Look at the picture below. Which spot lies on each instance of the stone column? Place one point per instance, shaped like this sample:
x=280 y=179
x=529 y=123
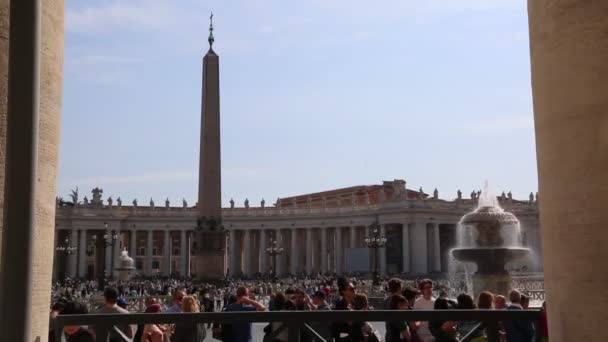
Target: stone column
x=167 y=253
x=263 y=254
x=323 y=250
x=279 y=258
x=436 y=248
x=405 y=247
x=232 y=252
x=246 y=257
x=382 y=251
x=294 y=252
x=353 y=237
x=82 y=254
x=133 y=244
x=419 y=248
x=569 y=52
x=72 y=258
x=149 y=247
x=108 y=254
x=116 y=249
x=338 y=251
x=183 y=253
x=309 y=251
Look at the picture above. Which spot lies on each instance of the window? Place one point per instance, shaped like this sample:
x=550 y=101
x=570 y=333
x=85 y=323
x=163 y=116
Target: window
x=142 y=251
x=155 y=265
x=139 y=265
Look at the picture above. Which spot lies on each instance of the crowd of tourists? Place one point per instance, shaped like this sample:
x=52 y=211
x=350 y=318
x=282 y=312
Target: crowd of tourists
x=307 y=294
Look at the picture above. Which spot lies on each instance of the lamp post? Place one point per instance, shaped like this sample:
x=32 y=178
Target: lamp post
x=66 y=248
x=108 y=239
x=375 y=240
x=273 y=251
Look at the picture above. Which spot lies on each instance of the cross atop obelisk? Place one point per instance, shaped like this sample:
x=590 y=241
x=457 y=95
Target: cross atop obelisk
x=211 y=243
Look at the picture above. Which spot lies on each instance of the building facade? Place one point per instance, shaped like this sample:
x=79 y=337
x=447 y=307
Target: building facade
x=318 y=233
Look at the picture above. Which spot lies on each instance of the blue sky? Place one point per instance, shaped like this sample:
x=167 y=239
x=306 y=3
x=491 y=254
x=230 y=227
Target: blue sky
x=315 y=95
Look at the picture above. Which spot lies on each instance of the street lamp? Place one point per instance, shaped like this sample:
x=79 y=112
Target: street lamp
x=375 y=240
x=66 y=248
x=108 y=239
x=273 y=251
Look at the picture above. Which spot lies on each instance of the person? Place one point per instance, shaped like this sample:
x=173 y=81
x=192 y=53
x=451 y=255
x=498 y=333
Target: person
x=426 y=303
x=280 y=303
x=362 y=331
x=346 y=290
x=465 y=302
x=178 y=296
x=500 y=302
x=189 y=332
x=485 y=301
x=517 y=330
x=76 y=333
x=410 y=294
x=319 y=304
x=55 y=310
x=444 y=331
x=241 y=332
x=110 y=306
x=301 y=299
x=544 y=337
x=393 y=287
x=153 y=332
x=525 y=301
x=122 y=303
x=397 y=330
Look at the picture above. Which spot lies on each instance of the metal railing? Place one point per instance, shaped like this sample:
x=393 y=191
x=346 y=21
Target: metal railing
x=296 y=322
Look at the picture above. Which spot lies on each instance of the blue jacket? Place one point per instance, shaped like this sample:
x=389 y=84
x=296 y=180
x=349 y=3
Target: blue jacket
x=518 y=330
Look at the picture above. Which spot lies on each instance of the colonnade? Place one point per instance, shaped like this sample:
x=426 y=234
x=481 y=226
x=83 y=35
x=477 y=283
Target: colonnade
x=313 y=250
x=144 y=246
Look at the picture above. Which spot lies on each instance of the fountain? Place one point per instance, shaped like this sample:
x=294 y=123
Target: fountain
x=489 y=237
x=126 y=266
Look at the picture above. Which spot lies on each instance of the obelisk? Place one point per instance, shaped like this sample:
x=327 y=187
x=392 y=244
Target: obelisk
x=210 y=250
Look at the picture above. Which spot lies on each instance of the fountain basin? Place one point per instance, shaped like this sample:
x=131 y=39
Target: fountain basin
x=490 y=259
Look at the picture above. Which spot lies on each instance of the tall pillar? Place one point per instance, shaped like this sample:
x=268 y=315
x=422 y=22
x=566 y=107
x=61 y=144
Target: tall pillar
x=82 y=254
x=246 y=253
x=353 y=236
x=436 y=248
x=279 y=258
x=309 y=251
x=232 y=250
x=419 y=248
x=167 y=253
x=72 y=258
x=116 y=249
x=263 y=255
x=338 y=251
x=108 y=254
x=405 y=247
x=149 y=247
x=569 y=52
x=323 y=250
x=294 y=252
x=133 y=244
x=211 y=253
x=183 y=254
x=382 y=252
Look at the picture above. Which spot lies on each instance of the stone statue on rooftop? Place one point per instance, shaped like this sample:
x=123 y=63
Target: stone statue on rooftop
x=473 y=195
x=184 y=203
x=110 y=201
x=531 y=197
x=246 y=203
x=85 y=200
x=231 y=203
x=435 y=194
x=97 y=196
x=459 y=194
x=119 y=202
x=503 y=196
x=263 y=203
x=509 y=195
x=151 y=203
x=135 y=202
x=167 y=203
